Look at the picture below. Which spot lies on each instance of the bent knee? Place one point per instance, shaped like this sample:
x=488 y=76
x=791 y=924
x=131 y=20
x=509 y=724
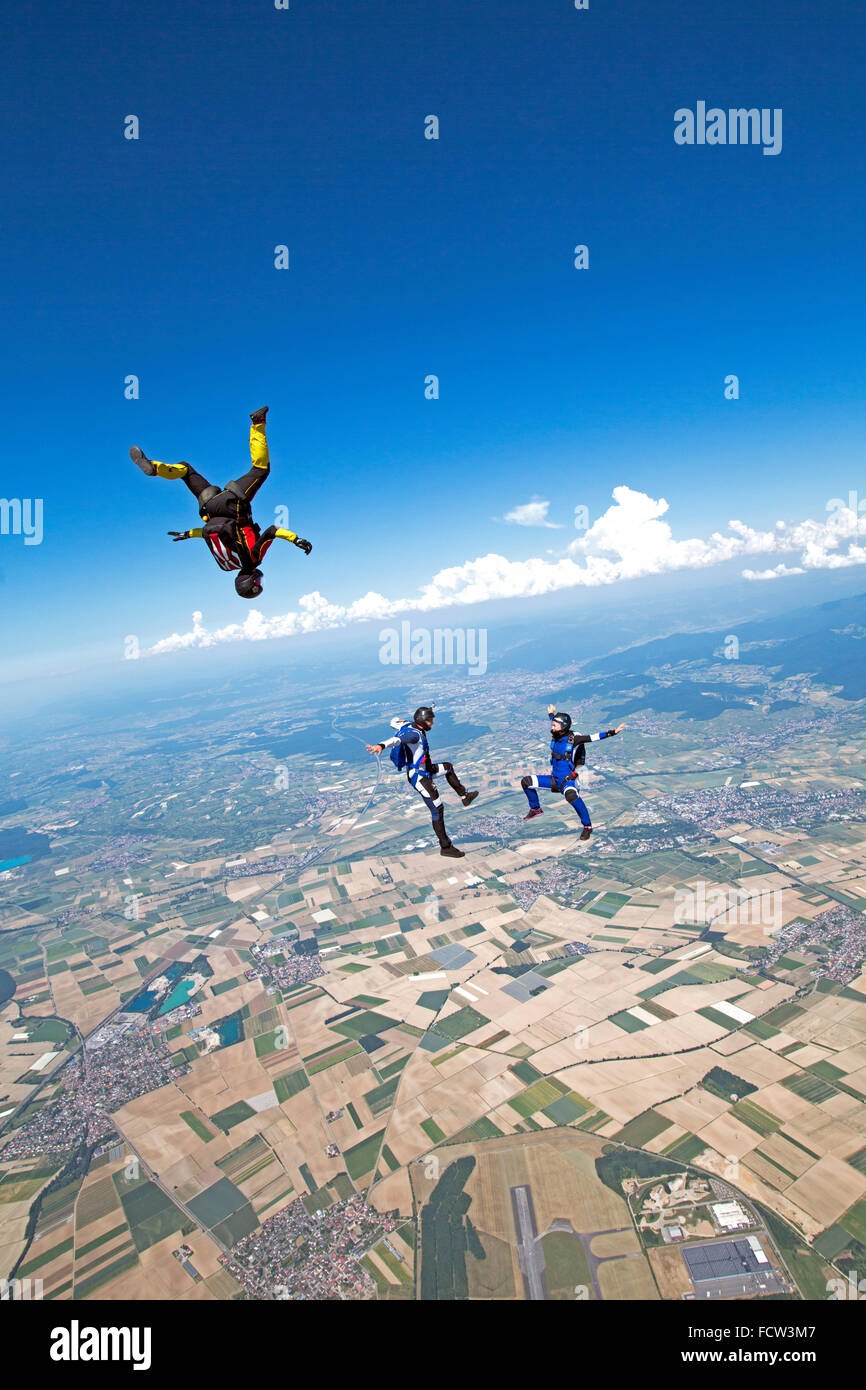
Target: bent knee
x=526 y=782
x=570 y=794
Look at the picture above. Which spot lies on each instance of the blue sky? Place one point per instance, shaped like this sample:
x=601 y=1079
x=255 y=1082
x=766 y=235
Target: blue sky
x=409 y=257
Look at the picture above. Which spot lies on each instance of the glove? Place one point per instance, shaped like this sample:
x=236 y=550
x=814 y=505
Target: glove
x=179 y=535
x=302 y=545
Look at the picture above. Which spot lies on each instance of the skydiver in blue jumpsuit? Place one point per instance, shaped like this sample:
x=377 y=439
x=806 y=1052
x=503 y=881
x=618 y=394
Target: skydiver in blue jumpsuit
x=420 y=771
x=567 y=753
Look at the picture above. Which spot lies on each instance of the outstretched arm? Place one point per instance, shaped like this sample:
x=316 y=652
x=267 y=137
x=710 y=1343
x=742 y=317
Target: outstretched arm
x=410 y=736
x=593 y=738
x=279 y=533
x=186 y=535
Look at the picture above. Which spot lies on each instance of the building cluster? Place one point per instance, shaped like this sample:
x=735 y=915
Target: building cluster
x=120 y=852
x=299 y=1255
x=111 y=1071
x=730 y=1216
x=840 y=932
x=652 y=832
x=273 y=864
x=69 y=916
x=557 y=879
x=183 y=1255
x=282 y=966
x=775 y=808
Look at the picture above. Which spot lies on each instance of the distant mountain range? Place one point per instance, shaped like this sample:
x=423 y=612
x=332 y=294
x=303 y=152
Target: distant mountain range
x=827 y=642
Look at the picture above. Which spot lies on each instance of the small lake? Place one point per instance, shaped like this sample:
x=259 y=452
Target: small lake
x=7 y=986
x=179 y=995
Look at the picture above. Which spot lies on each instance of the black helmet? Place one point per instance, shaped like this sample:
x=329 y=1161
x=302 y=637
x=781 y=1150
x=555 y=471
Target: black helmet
x=249 y=585
x=564 y=720
x=424 y=715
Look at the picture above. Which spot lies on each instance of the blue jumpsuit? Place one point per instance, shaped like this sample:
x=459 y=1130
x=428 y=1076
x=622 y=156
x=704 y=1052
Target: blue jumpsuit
x=420 y=772
x=565 y=752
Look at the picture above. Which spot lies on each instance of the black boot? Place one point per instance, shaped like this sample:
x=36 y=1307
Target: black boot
x=469 y=798
x=446 y=848
x=258 y=416
x=454 y=782
x=586 y=832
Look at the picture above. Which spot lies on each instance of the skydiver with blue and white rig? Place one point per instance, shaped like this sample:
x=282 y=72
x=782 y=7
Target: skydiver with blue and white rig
x=567 y=754
x=410 y=750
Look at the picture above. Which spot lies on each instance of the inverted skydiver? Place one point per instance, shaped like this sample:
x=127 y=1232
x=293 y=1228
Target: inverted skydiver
x=567 y=754
x=412 y=752
x=231 y=535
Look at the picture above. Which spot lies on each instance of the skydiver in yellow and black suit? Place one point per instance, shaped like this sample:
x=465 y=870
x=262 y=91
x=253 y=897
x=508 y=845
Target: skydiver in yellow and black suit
x=228 y=529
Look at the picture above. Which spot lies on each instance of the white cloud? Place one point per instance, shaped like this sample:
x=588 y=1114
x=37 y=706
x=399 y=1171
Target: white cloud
x=781 y=571
x=532 y=513
x=628 y=541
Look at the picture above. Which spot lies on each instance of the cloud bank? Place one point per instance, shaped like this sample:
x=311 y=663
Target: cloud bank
x=628 y=541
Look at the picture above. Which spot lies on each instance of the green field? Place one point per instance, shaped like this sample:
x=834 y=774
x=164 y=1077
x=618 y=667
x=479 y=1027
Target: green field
x=266 y=1043
x=525 y=1072
x=686 y=1149
x=854 y=1221
x=783 y=1014
x=758 y=1119
x=760 y=1028
x=457 y=1025
x=151 y=1214
x=567 y=1109
x=82 y=1250
x=642 y=1129
x=108 y=1272
x=432 y=1130
x=537 y=1096
x=361 y=1157
x=566 y=1267
x=381 y=1097
x=290 y=1084
x=858 y=1160
x=627 y=1022
x=196 y=1125
x=809 y=1087
x=232 y=1115
x=364 y=1024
